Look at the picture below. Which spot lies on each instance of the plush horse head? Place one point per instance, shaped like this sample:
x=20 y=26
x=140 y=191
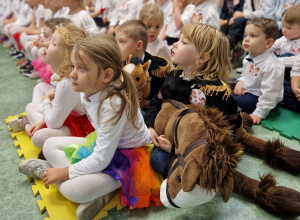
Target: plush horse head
x=138 y=71
x=205 y=152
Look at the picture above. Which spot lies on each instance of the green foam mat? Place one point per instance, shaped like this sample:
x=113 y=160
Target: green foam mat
x=284 y=121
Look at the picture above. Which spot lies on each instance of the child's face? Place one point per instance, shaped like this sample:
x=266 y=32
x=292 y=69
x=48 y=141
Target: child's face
x=127 y=45
x=255 y=41
x=197 y=2
x=47 y=33
x=184 y=54
x=54 y=51
x=290 y=31
x=153 y=28
x=84 y=75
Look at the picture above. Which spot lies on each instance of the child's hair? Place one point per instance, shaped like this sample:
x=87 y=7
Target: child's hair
x=268 y=26
x=52 y=23
x=152 y=12
x=71 y=35
x=105 y=52
x=209 y=40
x=292 y=15
x=136 y=30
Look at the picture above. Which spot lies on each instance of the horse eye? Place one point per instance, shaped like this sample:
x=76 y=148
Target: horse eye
x=179 y=179
x=137 y=78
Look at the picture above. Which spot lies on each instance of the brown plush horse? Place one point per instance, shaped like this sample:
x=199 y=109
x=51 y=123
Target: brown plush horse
x=206 y=155
x=138 y=71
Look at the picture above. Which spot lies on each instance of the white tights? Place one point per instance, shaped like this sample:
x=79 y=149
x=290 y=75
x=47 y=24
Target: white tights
x=34 y=113
x=80 y=189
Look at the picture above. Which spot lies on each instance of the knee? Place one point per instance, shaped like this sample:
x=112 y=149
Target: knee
x=159 y=161
x=38 y=140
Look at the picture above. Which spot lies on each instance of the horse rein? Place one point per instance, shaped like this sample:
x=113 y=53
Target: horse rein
x=180 y=158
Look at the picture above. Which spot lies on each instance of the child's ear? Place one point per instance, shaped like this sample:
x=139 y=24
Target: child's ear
x=204 y=58
x=269 y=43
x=139 y=45
x=108 y=75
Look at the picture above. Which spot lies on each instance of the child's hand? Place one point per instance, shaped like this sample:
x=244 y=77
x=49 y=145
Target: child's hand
x=34 y=128
x=238 y=89
x=238 y=14
x=164 y=143
x=154 y=136
x=231 y=21
x=256 y=119
x=55 y=175
x=195 y=19
x=50 y=94
x=297 y=94
x=111 y=30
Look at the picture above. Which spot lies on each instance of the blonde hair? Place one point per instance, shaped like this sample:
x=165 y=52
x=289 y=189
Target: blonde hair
x=52 y=23
x=136 y=30
x=71 y=35
x=292 y=15
x=209 y=40
x=105 y=52
x=152 y=12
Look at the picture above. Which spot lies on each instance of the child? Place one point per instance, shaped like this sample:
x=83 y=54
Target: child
x=110 y=100
x=205 y=11
x=152 y=16
x=178 y=14
x=79 y=16
x=201 y=77
x=291 y=97
x=61 y=110
x=132 y=38
x=274 y=9
x=288 y=47
x=125 y=10
x=260 y=87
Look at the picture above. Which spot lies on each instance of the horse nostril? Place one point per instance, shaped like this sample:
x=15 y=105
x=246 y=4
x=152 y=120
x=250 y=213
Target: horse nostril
x=179 y=178
x=137 y=78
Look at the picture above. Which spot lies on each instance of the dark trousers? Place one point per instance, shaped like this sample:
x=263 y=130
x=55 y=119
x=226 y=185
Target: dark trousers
x=159 y=161
x=236 y=31
x=171 y=40
x=247 y=102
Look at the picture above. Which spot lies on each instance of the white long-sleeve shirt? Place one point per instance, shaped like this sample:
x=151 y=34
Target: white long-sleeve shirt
x=296 y=67
x=125 y=10
x=259 y=9
x=172 y=30
x=83 y=20
x=122 y=135
x=264 y=78
x=65 y=101
x=210 y=14
x=284 y=45
x=159 y=48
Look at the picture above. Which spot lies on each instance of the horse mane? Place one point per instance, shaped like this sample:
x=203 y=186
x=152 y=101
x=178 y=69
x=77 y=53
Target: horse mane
x=222 y=154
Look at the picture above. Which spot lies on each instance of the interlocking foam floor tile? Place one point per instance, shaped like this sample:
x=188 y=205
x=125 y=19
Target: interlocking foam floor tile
x=57 y=206
x=283 y=121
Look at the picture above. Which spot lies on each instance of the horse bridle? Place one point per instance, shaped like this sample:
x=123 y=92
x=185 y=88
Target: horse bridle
x=180 y=158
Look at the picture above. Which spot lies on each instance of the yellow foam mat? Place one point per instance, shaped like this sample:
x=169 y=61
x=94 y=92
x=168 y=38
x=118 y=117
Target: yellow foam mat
x=57 y=206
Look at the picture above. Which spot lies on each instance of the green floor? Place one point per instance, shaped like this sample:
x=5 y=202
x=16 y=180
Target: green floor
x=18 y=202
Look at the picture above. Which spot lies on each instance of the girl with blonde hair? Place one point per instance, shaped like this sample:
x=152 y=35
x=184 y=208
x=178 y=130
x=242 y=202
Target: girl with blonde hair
x=201 y=77
x=90 y=170
x=61 y=112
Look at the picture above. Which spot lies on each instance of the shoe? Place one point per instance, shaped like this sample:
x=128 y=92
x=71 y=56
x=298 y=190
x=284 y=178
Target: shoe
x=34 y=168
x=237 y=53
x=21 y=62
x=26 y=66
x=19 y=56
x=32 y=74
x=239 y=70
x=17 y=125
x=13 y=53
x=89 y=210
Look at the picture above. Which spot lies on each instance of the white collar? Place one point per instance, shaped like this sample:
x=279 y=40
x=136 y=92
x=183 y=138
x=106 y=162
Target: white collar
x=260 y=58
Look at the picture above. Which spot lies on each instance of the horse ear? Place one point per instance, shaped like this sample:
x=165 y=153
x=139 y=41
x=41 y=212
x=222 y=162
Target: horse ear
x=190 y=175
x=227 y=188
x=129 y=59
x=147 y=65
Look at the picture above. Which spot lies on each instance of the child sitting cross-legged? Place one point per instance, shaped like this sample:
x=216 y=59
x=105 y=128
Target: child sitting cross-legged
x=260 y=87
x=132 y=38
x=110 y=100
